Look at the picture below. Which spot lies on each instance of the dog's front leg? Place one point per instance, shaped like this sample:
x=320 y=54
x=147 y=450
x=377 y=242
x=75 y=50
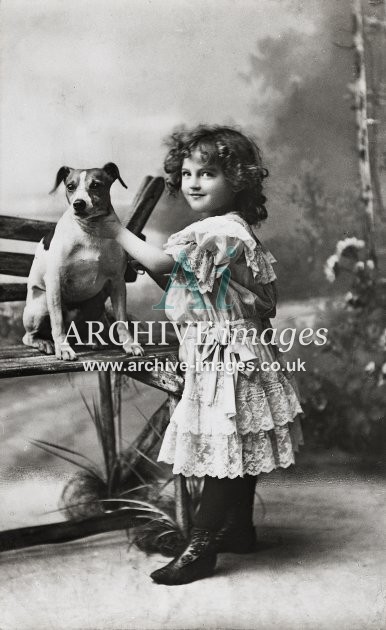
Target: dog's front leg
x=63 y=349
x=118 y=301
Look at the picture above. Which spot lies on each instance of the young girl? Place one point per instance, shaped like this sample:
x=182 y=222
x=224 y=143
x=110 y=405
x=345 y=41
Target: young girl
x=228 y=427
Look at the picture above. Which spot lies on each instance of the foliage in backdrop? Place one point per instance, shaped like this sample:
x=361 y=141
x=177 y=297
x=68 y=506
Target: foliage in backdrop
x=344 y=388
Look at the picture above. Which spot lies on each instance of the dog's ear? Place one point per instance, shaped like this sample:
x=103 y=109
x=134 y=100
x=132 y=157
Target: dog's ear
x=112 y=171
x=60 y=177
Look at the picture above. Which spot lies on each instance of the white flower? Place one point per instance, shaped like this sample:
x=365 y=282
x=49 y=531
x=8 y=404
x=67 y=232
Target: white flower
x=348 y=297
x=382 y=340
x=333 y=260
x=384 y=369
x=370 y=264
x=348 y=242
x=370 y=367
x=359 y=266
x=329 y=270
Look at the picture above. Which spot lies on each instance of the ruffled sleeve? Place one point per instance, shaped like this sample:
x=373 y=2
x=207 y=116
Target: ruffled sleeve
x=205 y=248
x=208 y=246
x=261 y=264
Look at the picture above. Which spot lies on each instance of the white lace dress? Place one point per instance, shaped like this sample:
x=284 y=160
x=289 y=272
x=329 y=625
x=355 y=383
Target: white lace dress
x=227 y=424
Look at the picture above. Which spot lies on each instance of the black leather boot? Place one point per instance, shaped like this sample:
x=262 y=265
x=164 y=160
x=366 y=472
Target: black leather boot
x=233 y=539
x=238 y=534
x=196 y=562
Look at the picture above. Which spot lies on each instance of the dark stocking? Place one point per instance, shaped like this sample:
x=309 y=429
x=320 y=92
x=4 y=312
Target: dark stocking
x=222 y=498
x=242 y=504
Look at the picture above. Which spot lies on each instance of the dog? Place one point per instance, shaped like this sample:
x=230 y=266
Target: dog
x=74 y=271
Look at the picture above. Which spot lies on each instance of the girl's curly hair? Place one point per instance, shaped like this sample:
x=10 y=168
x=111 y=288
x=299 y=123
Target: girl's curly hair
x=237 y=155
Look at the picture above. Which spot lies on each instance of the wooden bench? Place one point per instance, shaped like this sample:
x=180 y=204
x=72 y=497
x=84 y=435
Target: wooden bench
x=19 y=360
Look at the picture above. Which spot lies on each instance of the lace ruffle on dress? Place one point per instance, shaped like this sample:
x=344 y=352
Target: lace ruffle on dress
x=229 y=422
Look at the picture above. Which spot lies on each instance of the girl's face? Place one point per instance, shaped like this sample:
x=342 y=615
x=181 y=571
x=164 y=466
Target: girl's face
x=205 y=188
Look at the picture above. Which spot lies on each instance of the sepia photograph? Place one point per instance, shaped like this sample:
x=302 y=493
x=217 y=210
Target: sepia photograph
x=193 y=315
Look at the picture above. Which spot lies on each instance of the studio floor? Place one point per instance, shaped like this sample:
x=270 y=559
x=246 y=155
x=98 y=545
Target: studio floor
x=321 y=566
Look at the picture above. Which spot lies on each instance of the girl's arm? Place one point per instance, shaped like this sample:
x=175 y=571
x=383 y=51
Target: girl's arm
x=152 y=258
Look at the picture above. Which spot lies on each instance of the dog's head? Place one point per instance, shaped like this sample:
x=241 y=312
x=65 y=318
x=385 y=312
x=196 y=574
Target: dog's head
x=88 y=191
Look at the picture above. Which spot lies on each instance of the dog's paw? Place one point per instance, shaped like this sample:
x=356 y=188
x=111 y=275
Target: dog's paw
x=64 y=352
x=46 y=346
x=133 y=348
x=43 y=345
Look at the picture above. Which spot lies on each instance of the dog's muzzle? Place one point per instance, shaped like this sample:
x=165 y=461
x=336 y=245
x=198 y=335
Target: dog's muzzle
x=79 y=205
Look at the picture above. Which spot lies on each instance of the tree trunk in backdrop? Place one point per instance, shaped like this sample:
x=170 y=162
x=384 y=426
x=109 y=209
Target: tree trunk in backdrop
x=375 y=44
x=360 y=95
